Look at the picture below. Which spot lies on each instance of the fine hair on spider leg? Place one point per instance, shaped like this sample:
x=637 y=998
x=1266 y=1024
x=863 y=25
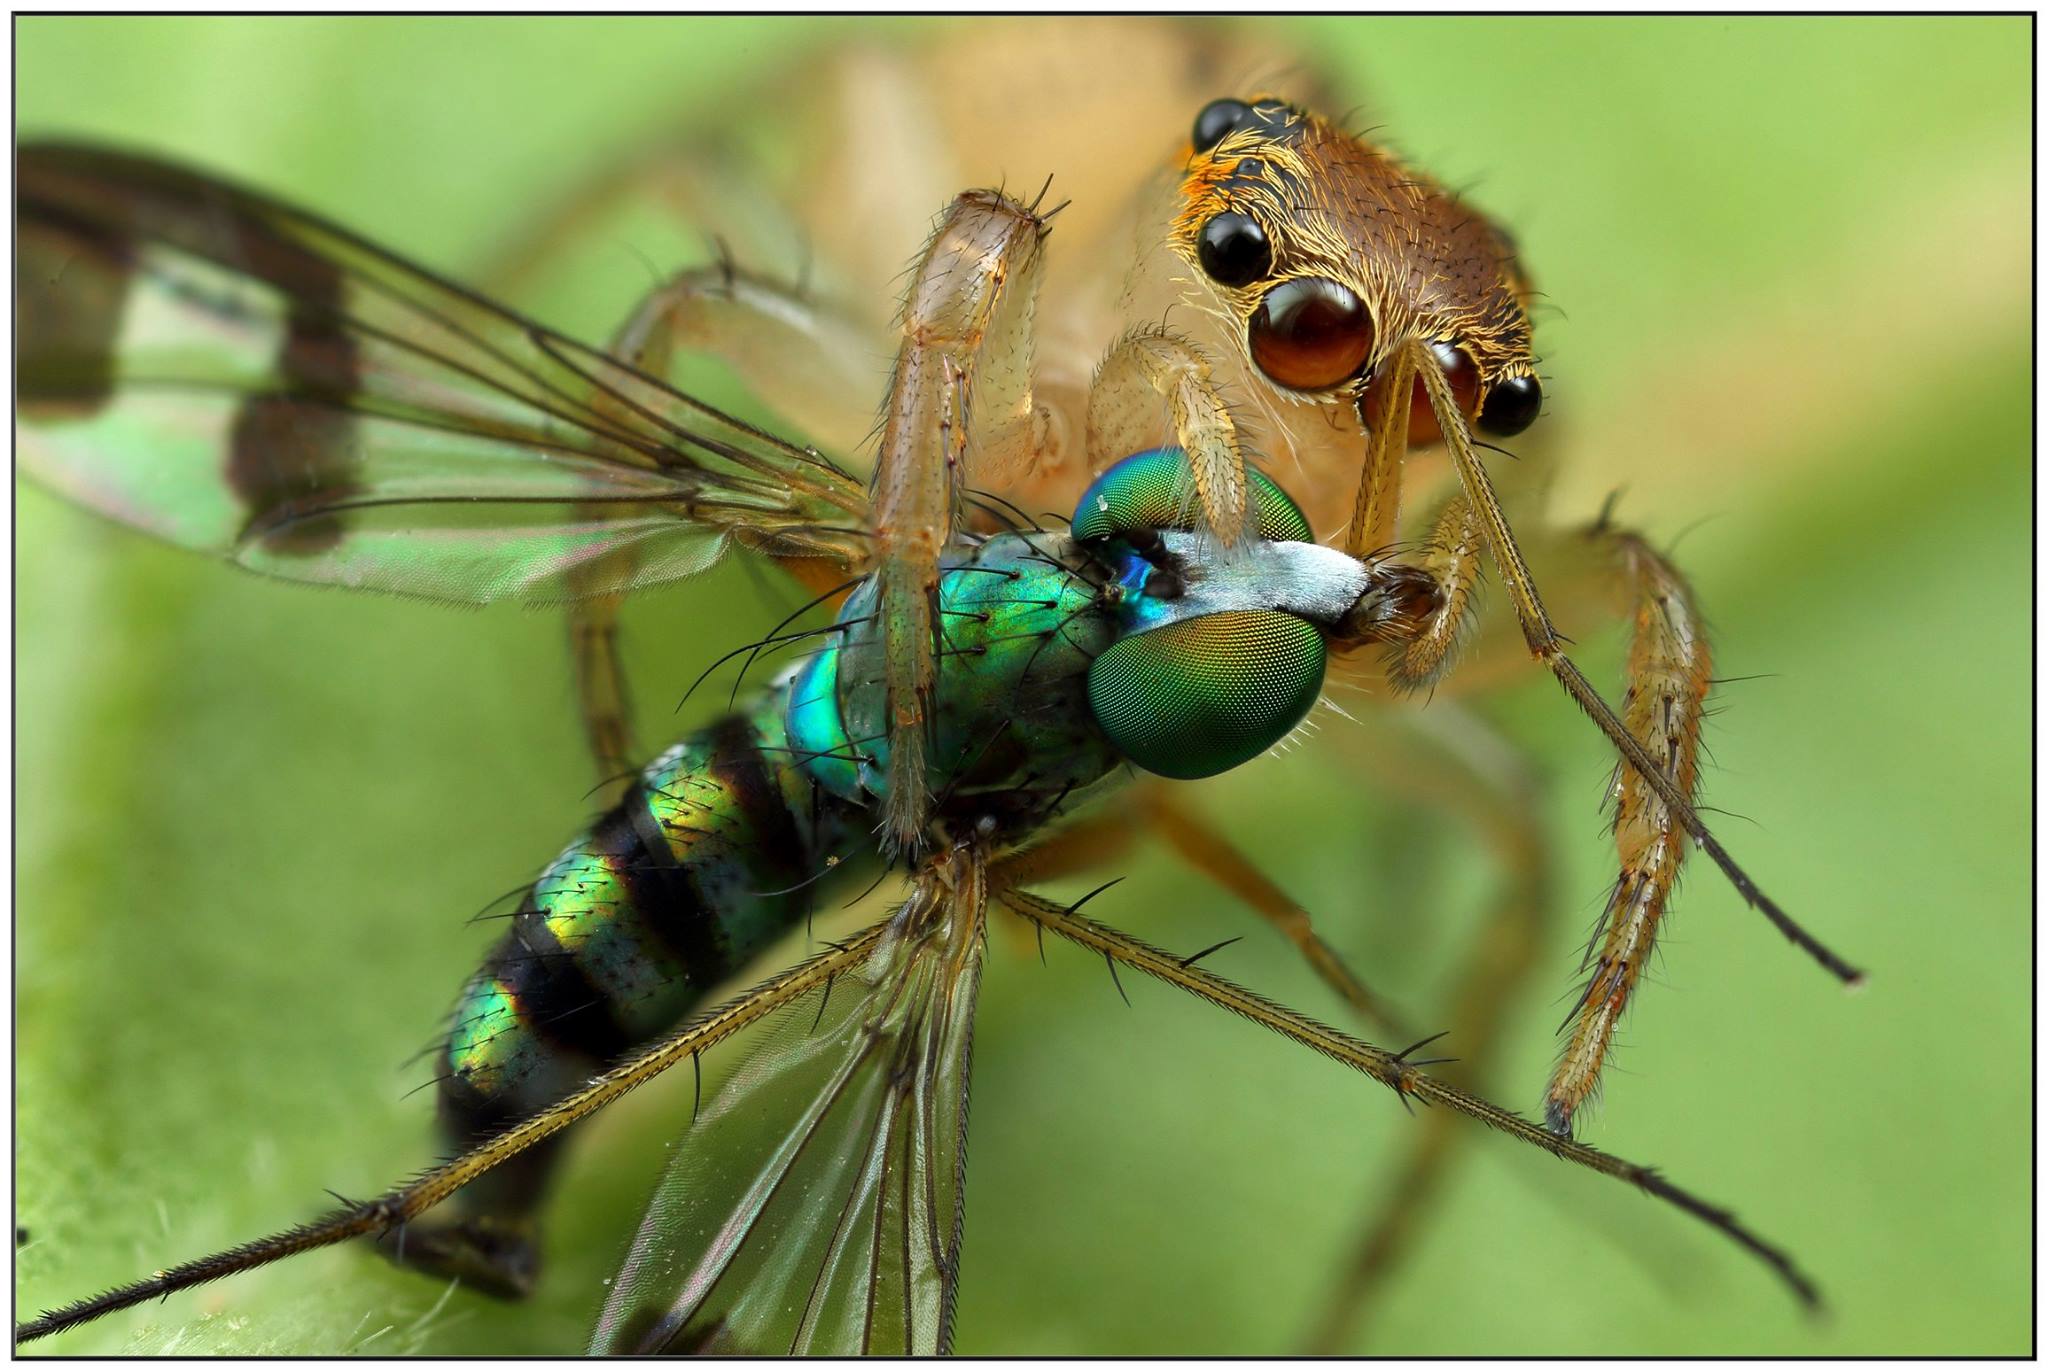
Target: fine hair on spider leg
x=1545 y=642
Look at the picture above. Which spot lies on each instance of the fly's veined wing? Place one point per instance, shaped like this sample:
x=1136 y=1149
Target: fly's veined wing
x=238 y=376
x=833 y=1227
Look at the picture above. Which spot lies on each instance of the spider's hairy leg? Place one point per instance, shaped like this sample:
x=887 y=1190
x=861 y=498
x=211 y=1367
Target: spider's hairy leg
x=1377 y=512
x=1450 y=760
x=389 y=1215
x=715 y=191
x=1452 y=555
x=1668 y=677
x=1150 y=366
x=601 y=690
x=815 y=365
x=1670 y=670
x=961 y=390
x=805 y=361
x=1548 y=647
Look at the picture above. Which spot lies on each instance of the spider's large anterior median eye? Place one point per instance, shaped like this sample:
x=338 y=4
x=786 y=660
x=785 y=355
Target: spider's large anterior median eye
x=1200 y=696
x=1155 y=489
x=1233 y=250
x=1311 y=334
x=1511 y=406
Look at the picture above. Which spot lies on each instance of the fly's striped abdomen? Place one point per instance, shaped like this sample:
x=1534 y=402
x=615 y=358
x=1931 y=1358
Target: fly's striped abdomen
x=717 y=848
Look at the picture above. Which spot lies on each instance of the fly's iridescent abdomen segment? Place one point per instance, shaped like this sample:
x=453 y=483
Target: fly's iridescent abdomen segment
x=715 y=850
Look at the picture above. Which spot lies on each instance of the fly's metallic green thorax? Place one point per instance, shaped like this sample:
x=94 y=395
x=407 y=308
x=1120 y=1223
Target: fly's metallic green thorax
x=1020 y=618
x=1137 y=638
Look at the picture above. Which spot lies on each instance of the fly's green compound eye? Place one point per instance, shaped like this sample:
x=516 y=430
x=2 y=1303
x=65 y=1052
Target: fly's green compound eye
x=1155 y=489
x=1200 y=696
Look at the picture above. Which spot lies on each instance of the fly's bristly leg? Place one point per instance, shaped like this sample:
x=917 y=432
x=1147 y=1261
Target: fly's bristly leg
x=1102 y=837
x=1670 y=670
x=1208 y=850
x=961 y=392
x=1447 y=759
x=400 y=1206
x=1391 y=1069
x=1150 y=366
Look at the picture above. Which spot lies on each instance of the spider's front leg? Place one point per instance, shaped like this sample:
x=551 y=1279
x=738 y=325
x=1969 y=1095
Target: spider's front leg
x=960 y=397
x=1656 y=734
x=1670 y=670
x=1146 y=368
x=1664 y=707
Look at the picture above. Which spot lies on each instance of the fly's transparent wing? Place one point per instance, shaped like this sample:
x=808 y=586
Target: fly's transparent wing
x=241 y=377
x=835 y=1227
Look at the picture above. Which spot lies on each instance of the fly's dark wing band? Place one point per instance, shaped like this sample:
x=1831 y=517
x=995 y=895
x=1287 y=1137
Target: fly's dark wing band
x=240 y=377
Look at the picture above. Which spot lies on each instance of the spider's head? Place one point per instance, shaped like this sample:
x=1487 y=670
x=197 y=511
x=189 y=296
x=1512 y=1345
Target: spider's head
x=1334 y=258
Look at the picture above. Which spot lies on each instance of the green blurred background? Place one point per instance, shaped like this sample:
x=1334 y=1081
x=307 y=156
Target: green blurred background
x=1791 y=258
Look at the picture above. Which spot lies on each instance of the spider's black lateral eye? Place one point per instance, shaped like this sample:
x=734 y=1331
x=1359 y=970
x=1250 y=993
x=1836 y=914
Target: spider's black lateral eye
x=1233 y=249
x=1218 y=120
x=1511 y=406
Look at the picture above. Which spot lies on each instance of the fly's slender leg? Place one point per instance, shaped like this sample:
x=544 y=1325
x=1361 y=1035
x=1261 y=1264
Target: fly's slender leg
x=1209 y=851
x=1390 y=1069
x=389 y=1214
x=1450 y=760
x=1142 y=369
x=961 y=389
x=1153 y=808
x=1669 y=673
x=601 y=688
